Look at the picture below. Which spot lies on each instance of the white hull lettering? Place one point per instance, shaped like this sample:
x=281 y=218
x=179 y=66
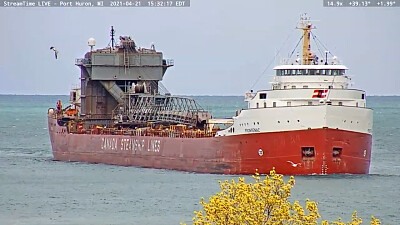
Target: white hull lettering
x=109 y=144
x=130 y=144
x=133 y=144
x=154 y=146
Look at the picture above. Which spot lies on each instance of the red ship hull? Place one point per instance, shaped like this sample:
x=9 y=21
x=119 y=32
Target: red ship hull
x=236 y=154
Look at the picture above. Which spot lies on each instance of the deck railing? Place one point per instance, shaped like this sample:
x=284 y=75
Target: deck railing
x=147 y=132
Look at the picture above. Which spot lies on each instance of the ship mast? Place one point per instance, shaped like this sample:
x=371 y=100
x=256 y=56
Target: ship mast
x=112 y=34
x=306 y=26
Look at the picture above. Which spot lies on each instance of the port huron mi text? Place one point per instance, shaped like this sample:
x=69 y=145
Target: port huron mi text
x=47 y=4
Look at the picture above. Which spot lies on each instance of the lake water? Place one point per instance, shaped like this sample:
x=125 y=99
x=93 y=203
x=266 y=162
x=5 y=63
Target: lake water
x=36 y=190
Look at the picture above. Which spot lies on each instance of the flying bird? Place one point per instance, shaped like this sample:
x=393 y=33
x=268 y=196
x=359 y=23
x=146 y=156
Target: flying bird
x=55 y=51
x=294 y=164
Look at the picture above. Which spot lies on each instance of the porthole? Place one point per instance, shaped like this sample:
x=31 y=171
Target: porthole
x=337 y=152
x=307 y=152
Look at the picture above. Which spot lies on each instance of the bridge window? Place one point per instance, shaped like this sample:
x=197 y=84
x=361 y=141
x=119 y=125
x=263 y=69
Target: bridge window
x=335 y=72
x=327 y=72
x=312 y=72
x=302 y=72
x=342 y=72
x=263 y=95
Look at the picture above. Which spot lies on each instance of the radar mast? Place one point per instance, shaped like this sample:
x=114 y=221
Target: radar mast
x=306 y=26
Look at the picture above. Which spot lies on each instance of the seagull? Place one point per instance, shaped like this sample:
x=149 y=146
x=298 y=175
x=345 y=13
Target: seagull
x=55 y=51
x=294 y=164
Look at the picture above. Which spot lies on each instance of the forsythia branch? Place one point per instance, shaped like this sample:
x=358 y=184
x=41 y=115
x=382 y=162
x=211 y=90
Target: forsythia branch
x=264 y=202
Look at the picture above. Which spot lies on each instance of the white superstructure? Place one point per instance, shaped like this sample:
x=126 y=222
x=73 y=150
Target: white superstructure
x=306 y=93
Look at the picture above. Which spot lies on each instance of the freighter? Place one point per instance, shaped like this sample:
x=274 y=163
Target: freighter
x=309 y=122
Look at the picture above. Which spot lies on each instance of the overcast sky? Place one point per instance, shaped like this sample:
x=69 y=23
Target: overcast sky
x=220 y=47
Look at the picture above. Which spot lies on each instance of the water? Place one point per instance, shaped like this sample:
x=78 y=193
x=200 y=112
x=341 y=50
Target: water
x=36 y=190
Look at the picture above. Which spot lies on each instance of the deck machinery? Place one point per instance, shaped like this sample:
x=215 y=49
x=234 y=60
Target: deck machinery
x=120 y=86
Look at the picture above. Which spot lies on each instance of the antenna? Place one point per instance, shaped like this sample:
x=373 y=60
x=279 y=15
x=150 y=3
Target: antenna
x=112 y=34
x=326 y=57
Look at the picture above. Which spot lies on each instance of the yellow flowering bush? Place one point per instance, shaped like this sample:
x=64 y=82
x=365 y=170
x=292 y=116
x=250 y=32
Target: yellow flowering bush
x=263 y=202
